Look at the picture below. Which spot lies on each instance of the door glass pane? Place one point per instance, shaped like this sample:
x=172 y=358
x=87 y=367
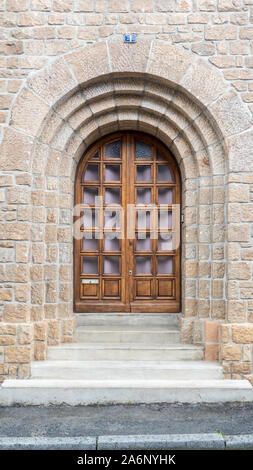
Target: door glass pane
x=111 y=244
x=143 y=150
x=91 y=173
x=112 y=219
x=160 y=156
x=96 y=156
x=165 y=242
x=112 y=173
x=165 y=195
x=89 y=195
x=143 y=219
x=89 y=218
x=165 y=265
x=143 y=244
x=164 y=173
x=143 y=265
x=143 y=173
x=111 y=265
x=90 y=242
x=90 y=265
x=143 y=196
x=112 y=196
x=112 y=150
x=164 y=219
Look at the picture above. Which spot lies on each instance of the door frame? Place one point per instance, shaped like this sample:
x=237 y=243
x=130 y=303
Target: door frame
x=87 y=307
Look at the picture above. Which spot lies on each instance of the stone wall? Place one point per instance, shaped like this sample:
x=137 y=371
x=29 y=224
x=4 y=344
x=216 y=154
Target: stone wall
x=189 y=81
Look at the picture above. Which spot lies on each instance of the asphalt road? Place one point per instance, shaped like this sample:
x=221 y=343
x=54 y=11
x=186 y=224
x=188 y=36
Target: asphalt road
x=67 y=421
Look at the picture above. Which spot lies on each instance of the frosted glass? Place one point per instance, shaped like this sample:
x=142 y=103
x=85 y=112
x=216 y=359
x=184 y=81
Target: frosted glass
x=89 y=195
x=112 y=219
x=143 y=173
x=143 y=244
x=111 y=244
x=89 y=218
x=165 y=244
x=90 y=243
x=112 y=173
x=90 y=265
x=164 y=173
x=143 y=219
x=111 y=265
x=165 y=196
x=143 y=265
x=165 y=265
x=91 y=173
x=112 y=196
x=143 y=150
x=144 y=196
x=112 y=150
x=164 y=219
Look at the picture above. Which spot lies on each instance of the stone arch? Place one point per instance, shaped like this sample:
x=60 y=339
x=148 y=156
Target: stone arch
x=152 y=87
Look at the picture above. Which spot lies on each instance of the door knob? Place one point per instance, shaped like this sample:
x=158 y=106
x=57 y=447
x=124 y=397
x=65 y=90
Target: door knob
x=130 y=272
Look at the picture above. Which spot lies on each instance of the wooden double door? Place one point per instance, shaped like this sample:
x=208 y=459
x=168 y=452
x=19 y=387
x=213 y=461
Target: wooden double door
x=127 y=227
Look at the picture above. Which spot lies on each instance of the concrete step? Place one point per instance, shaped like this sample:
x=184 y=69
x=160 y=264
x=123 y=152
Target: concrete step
x=129 y=334
x=134 y=319
x=84 y=392
x=124 y=352
x=122 y=370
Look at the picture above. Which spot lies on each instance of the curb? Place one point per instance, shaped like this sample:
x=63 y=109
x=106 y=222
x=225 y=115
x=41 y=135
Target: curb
x=212 y=441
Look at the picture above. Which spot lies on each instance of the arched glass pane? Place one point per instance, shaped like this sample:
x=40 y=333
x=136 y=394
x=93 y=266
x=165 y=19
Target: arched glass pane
x=112 y=150
x=143 y=151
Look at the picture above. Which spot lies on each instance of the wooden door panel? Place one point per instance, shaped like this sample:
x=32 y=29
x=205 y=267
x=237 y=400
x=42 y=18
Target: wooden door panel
x=112 y=271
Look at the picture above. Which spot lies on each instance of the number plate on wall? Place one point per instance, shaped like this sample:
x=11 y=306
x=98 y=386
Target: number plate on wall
x=90 y=281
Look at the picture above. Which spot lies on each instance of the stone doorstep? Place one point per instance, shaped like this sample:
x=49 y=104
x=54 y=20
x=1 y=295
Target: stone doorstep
x=84 y=392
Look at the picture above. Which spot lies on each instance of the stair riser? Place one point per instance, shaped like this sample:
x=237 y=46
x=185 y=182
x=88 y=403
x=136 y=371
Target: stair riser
x=127 y=337
x=126 y=374
x=124 y=355
x=127 y=319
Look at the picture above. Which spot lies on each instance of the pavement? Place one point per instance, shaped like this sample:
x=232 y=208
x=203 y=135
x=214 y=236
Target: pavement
x=155 y=426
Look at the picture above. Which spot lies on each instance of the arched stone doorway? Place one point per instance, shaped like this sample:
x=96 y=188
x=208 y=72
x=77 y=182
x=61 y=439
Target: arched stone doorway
x=127 y=245
x=154 y=88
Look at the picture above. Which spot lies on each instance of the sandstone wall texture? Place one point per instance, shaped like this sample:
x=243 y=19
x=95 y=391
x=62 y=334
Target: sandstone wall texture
x=66 y=79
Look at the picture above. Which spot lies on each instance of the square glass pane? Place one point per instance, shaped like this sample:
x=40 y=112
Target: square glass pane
x=143 y=244
x=89 y=195
x=165 y=265
x=143 y=151
x=143 y=265
x=143 y=219
x=90 y=265
x=112 y=150
x=143 y=196
x=164 y=219
x=165 y=195
x=164 y=173
x=112 y=219
x=89 y=218
x=143 y=173
x=90 y=243
x=91 y=173
x=111 y=243
x=112 y=173
x=112 y=195
x=165 y=242
x=111 y=265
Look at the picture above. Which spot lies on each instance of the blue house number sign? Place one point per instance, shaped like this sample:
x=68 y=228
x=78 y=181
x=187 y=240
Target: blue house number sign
x=130 y=38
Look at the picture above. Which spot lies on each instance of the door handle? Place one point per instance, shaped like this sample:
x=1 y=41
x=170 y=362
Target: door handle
x=130 y=272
